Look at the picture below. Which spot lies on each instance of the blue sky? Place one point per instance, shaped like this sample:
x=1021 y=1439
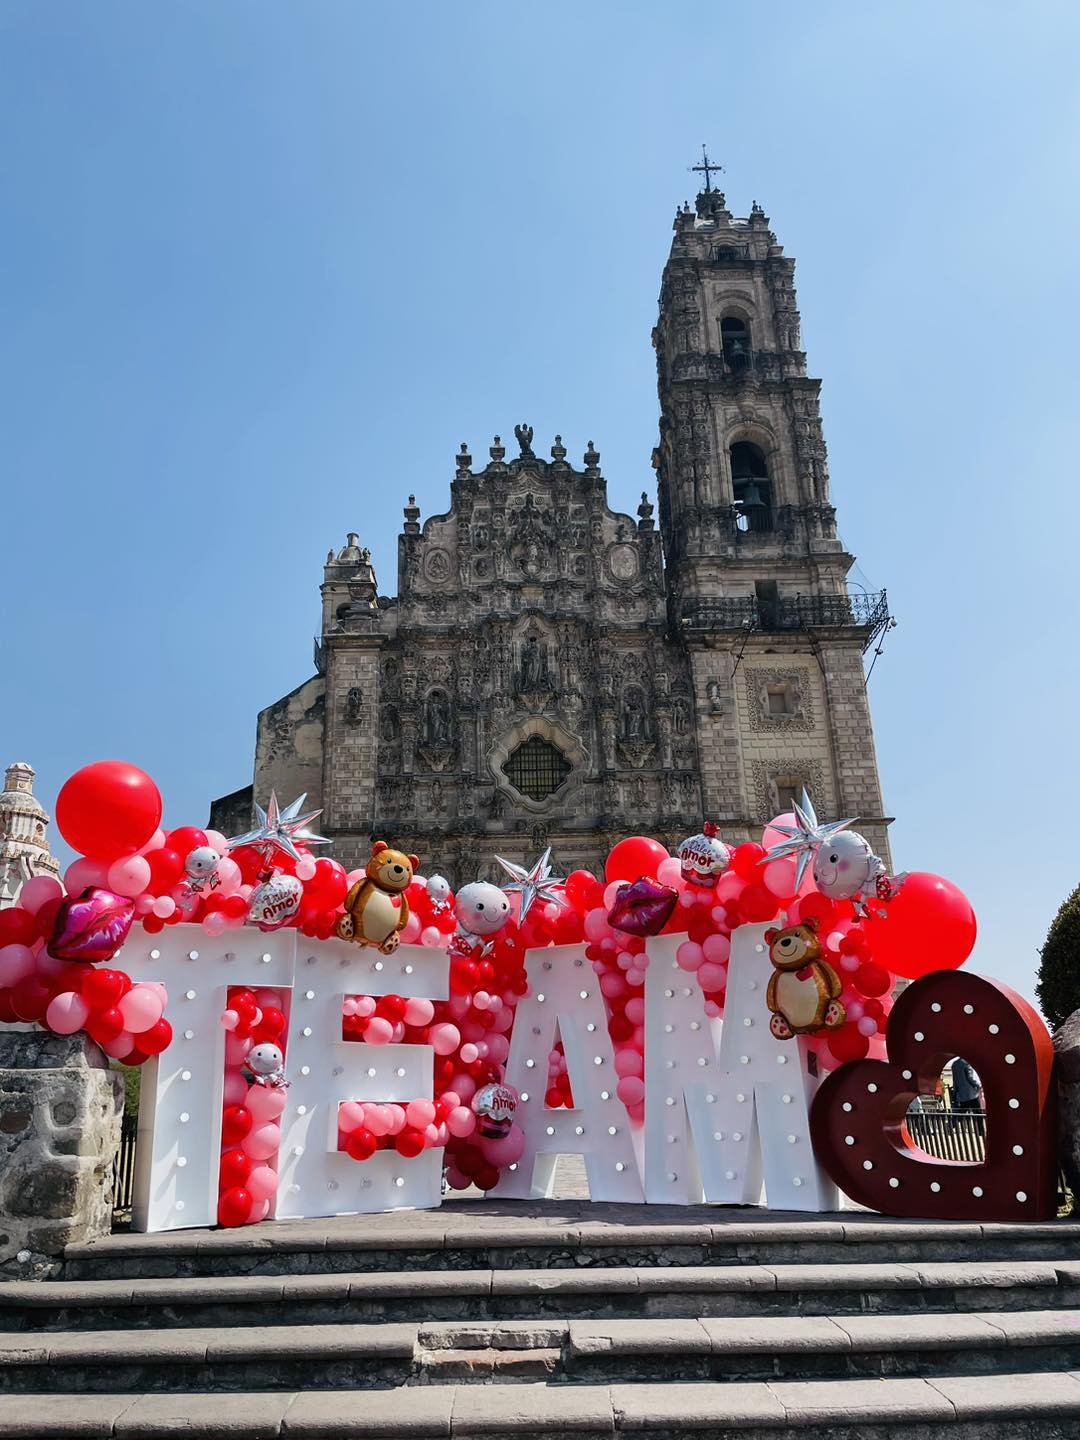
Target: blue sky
x=266 y=265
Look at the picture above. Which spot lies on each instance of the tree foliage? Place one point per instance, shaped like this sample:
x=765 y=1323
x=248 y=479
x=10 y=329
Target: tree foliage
x=1059 y=970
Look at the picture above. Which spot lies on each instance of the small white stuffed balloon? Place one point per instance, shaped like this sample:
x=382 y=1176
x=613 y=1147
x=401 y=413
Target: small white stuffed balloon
x=481 y=909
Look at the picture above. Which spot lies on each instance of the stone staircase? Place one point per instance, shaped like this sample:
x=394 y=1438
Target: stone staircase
x=496 y=1320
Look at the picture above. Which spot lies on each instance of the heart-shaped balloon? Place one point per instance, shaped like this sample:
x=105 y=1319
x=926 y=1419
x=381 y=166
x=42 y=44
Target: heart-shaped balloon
x=642 y=908
x=858 y=1118
x=91 y=928
x=275 y=901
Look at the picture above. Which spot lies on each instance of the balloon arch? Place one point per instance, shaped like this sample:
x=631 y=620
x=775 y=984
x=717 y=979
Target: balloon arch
x=355 y=1039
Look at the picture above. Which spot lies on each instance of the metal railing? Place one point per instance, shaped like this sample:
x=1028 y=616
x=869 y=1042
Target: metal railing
x=793 y=612
x=950 y=1134
x=124 y=1166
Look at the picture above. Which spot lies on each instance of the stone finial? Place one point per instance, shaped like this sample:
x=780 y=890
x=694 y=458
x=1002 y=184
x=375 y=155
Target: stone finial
x=592 y=457
x=463 y=459
x=498 y=450
x=349 y=554
x=558 y=450
x=19 y=778
x=645 y=512
x=412 y=517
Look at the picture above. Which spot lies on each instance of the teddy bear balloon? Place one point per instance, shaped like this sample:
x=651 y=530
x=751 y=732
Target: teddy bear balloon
x=376 y=910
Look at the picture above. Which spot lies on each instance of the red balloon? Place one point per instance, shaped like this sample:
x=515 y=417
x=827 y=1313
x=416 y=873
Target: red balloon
x=234 y=1206
x=157 y=1038
x=166 y=870
x=30 y=998
x=105 y=1025
x=18 y=927
x=871 y=979
x=929 y=926
x=634 y=857
x=487 y=1176
x=185 y=839
x=361 y=1144
x=579 y=885
x=46 y=918
x=745 y=858
x=328 y=885
x=757 y=903
x=273 y=1020
x=108 y=809
x=236 y=1121
x=102 y=989
x=847 y=1044
x=235 y=1168
x=409 y=1143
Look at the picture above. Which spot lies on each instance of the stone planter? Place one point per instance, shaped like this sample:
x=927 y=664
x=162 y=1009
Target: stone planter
x=60 y=1112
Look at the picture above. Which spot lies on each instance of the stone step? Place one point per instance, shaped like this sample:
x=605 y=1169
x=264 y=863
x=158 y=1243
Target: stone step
x=493 y=1237
x=1022 y=1406
x=587 y=1293
x=728 y=1349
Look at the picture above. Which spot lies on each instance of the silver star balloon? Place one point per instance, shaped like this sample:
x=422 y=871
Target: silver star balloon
x=805 y=837
x=535 y=883
x=278 y=829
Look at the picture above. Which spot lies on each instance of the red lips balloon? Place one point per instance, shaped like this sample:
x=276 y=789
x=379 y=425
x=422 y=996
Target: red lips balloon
x=642 y=908
x=857 y=1120
x=91 y=928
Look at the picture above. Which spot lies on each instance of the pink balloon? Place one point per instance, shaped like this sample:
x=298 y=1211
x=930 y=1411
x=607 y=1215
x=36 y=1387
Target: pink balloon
x=16 y=962
x=262 y=1183
x=67 y=1012
x=629 y=1062
x=635 y=1010
x=461 y=1122
x=230 y=877
x=419 y=1012
x=121 y=1045
x=507 y=1149
x=350 y=1116
x=164 y=906
x=262 y=1141
x=229 y=1019
x=141 y=1008
x=469 y=1053
x=772 y=836
x=711 y=976
x=610 y=892
x=596 y=926
x=129 y=875
x=430 y=935
x=214 y=923
x=216 y=841
x=397 y=1119
x=265 y=1102
x=689 y=955
x=410 y=934
x=365 y=1006
x=630 y=1090
x=376 y=1121
x=456 y=1180
x=498 y=1048
x=379 y=1031
x=236 y=1089
x=465 y=1087
x=236 y=1049
x=156 y=842
x=669 y=871
x=38 y=891
x=420 y=1114
x=82 y=873
x=778 y=878
x=717 y=948
x=444 y=1038
x=259 y=1211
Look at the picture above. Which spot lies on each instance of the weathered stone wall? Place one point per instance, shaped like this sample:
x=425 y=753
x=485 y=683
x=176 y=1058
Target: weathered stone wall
x=60 y=1113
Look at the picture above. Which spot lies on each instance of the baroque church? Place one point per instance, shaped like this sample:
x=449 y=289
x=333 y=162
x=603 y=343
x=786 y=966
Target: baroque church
x=554 y=673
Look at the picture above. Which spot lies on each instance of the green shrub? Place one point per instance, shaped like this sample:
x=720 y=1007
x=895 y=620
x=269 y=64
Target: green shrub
x=132 y=1075
x=1059 y=971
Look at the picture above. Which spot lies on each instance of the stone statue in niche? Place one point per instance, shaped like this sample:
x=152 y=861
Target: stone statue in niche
x=534 y=666
x=712 y=694
x=388 y=725
x=437 y=718
x=680 y=723
x=635 y=722
x=354 y=706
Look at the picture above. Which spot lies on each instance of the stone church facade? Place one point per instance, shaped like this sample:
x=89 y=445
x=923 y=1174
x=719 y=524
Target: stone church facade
x=552 y=672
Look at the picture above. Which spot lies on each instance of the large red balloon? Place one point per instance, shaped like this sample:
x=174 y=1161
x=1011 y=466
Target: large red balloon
x=108 y=809
x=633 y=857
x=930 y=925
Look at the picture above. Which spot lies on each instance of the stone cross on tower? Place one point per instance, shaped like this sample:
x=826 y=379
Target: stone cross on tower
x=706 y=168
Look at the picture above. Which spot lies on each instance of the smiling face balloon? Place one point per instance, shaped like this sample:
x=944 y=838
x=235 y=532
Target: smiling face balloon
x=481 y=909
x=845 y=865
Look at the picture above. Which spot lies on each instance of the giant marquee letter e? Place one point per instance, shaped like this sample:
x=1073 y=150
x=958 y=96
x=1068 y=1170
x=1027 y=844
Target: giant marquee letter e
x=858 y=1117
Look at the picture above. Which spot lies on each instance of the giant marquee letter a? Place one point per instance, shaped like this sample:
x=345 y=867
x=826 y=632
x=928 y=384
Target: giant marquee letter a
x=564 y=1001
x=747 y=1099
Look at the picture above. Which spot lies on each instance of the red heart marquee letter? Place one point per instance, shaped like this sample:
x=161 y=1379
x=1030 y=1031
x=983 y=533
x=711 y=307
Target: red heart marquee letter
x=857 y=1118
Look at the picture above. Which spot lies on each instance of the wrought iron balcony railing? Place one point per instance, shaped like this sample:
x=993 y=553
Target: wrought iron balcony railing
x=866 y=613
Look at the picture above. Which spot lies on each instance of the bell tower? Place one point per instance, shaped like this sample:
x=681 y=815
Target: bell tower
x=756 y=577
